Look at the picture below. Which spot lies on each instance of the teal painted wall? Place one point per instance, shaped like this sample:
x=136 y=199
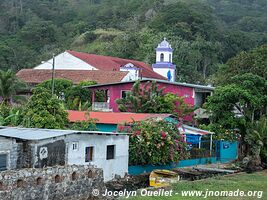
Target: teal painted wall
x=226 y=152
x=106 y=127
x=135 y=170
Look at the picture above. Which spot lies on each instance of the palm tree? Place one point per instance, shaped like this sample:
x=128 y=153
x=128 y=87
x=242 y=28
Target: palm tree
x=10 y=85
x=256 y=138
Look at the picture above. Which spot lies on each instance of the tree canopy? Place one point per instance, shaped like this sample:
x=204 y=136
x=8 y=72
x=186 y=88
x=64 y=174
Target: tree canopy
x=204 y=33
x=149 y=98
x=44 y=111
x=10 y=86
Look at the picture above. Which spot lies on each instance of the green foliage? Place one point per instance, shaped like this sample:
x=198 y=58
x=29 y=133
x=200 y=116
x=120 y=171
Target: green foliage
x=155 y=142
x=256 y=137
x=171 y=103
x=10 y=85
x=254 y=62
x=236 y=105
x=141 y=99
x=44 y=111
x=203 y=33
x=61 y=86
x=86 y=125
x=10 y=116
x=79 y=98
x=150 y=99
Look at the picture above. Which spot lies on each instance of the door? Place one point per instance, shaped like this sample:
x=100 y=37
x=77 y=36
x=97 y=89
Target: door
x=3 y=162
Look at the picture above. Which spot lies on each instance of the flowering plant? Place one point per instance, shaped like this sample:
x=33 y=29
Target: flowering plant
x=156 y=142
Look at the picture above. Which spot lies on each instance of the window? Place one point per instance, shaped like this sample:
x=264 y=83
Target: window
x=89 y=154
x=3 y=162
x=75 y=146
x=110 y=152
x=170 y=57
x=124 y=93
x=161 y=57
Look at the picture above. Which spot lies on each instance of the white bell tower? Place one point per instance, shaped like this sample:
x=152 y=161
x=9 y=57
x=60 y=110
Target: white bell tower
x=164 y=65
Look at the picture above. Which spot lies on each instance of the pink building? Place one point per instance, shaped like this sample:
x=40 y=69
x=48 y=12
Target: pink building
x=194 y=95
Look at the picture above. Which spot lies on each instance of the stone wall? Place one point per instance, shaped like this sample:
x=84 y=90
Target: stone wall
x=52 y=183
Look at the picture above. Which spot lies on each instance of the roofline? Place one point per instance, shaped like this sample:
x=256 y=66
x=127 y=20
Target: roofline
x=61 y=130
x=157 y=80
x=153 y=115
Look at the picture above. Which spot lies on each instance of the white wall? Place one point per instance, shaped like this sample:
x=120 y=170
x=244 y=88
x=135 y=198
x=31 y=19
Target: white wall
x=118 y=166
x=66 y=61
x=132 y=75
x=166 y=56
x=164 y=71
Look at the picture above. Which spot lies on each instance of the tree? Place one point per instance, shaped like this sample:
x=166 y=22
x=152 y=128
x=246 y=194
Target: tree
x=254 y=62
x=256 y=137
x=79 y=98
x=10 y=85
x=61 y=86
x=171 y=103
x=237 y=106
x=150 y=99
x=141 y=99
x=44 y=111
x=155 y=142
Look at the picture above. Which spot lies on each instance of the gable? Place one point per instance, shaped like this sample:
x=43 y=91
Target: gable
x=66 y=61
x=108 y=63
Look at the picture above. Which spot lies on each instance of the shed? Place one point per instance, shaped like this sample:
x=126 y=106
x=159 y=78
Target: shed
x=28 y=147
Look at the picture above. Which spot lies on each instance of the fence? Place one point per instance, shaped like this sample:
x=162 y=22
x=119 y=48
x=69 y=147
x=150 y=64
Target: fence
x=221 y=151
x=101 y=106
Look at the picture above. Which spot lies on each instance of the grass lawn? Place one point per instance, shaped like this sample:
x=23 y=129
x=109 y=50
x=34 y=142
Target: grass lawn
x=243 y=181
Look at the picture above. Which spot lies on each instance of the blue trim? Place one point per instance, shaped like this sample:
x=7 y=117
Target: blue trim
x=164 y=65
x=164 y=49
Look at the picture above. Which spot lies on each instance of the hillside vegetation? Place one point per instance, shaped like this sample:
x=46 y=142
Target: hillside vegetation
x=204 y=33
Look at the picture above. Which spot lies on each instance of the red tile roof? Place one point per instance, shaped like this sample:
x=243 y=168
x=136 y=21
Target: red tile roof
x=35 y=76
x=111 y=117
x=108 y=63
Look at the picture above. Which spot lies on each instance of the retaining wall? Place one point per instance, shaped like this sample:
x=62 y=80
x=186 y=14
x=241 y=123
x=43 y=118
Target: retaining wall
x=52 y=183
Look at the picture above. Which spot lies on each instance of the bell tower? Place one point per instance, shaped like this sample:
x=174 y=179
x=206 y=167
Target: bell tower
x=164 y=65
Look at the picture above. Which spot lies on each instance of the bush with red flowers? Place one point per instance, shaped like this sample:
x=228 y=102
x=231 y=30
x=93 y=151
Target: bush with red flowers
x=156 y=142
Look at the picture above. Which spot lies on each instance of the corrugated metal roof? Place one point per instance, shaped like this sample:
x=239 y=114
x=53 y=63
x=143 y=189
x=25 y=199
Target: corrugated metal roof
x=41 y=134
x=185 y=129
x=205 y=87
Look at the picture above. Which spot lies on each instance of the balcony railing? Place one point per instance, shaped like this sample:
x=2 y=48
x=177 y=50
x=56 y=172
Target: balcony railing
x=101 y=106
